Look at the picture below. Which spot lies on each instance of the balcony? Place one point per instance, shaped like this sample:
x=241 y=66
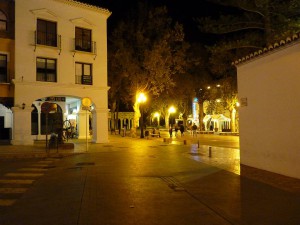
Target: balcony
x=81 y=45
x=87 y=80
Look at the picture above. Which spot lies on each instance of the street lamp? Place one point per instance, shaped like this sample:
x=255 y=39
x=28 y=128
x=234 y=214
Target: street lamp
x=141 y=99
x=157 y=116
x=171 y=110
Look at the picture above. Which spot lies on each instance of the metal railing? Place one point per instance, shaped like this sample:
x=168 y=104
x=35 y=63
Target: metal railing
x=85 y=46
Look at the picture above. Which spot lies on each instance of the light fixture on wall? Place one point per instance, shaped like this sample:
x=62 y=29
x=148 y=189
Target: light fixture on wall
x=23 y=106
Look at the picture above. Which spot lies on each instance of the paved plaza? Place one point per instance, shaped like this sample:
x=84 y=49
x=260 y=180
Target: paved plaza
x=162 y=181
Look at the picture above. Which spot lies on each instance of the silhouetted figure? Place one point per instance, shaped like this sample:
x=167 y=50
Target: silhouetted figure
x=170 y=131
x=181 y=129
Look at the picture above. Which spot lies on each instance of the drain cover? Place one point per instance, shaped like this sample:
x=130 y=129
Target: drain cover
x=85 y=164
x=196 y=153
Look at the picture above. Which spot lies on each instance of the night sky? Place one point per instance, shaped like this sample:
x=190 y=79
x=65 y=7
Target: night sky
x=183 y=11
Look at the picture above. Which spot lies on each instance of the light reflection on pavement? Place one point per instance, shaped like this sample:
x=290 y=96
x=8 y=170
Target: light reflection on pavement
x=223 y=158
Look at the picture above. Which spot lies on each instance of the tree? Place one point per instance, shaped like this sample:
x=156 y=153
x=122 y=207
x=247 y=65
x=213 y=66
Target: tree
x=249 y=25
x=199 y=79
x=147 y=50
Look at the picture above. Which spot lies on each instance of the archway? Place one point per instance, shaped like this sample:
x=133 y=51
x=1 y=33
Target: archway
x=5 y=123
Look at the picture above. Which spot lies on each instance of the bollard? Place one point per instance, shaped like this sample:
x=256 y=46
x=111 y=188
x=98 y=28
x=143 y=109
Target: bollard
x=184 y=142
x=198 y=144
x=165 y=139
x=209 y=151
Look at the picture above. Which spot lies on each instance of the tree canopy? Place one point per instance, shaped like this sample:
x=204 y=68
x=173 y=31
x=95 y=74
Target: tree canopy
x=246 y=26
x=145 y=53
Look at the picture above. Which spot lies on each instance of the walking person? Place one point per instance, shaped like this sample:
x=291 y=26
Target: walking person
x=194 y=130
x=176 y=130
x=170 y=131
x=181 y=128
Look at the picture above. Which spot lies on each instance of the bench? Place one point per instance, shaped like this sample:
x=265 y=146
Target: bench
x=155 y=135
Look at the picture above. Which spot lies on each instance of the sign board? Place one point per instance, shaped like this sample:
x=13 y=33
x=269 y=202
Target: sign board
x=244 y=102
x=86 y=102
x=56 y=99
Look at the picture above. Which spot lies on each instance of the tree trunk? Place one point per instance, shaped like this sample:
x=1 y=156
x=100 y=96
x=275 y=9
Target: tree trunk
x=137 y=114
x=167 y=118
x=233 y=119
x=201 y=116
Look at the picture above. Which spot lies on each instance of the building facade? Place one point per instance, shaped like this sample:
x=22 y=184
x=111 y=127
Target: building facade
x=57 y=55
x=268 y=87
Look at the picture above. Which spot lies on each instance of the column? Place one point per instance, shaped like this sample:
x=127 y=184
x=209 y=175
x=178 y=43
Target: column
x=83 y=124
x=22 y=126
x=99 y=125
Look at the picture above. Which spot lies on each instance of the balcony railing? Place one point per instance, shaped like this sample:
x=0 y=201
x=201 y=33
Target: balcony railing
x=85 y=46
x=87 y=80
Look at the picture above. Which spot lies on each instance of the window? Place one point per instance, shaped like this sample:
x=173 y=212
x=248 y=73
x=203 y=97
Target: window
x=46 y=69
x=3 y=69
x=83 y=73
x=83 y=39
x=46 y=33
x=3 y=21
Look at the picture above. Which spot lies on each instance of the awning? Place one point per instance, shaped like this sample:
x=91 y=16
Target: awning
x=8 y=102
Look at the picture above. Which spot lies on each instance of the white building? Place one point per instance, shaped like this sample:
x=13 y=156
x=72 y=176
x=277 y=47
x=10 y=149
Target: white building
x=60 y=57
x=269 y=93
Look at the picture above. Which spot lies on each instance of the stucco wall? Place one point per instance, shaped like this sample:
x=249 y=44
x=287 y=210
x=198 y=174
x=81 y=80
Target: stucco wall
x=269 y=124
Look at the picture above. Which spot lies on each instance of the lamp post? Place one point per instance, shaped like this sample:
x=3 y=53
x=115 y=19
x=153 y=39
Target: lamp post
x=157 y=116
x=171 y=110
x=86 y=104
x=141 y=99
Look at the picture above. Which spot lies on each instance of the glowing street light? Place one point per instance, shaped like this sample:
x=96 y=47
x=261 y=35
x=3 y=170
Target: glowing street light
x=171 y=110
x=157 y=116
x=142 y=99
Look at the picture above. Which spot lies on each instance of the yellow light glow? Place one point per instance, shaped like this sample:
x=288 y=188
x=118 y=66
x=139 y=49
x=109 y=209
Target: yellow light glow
x=142 y=98
x=172 y=109
x=156 y=114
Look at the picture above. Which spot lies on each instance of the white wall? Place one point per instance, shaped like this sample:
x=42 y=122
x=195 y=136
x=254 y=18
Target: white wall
x=269 y=124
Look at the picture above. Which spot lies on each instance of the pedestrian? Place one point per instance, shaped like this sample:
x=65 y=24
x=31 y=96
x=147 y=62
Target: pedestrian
x=194 y=130
x=170 y=131
x=181 y=128
x=176 y=130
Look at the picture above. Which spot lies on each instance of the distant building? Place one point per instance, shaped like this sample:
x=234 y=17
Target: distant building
x=52 y=51
x=214 y=122
x=269 y=93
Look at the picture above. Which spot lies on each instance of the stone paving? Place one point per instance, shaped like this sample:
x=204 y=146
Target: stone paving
x=225 y=158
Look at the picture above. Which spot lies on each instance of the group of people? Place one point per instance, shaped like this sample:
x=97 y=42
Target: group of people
x=181 y=129
x=176 y=128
